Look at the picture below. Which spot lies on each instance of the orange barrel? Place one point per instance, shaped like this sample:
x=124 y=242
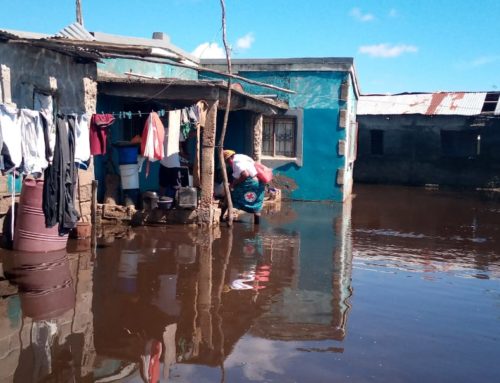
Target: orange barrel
x=30 y=233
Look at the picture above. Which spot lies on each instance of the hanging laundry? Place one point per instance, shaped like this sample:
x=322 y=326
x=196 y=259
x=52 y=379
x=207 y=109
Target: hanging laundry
x=171 y=143
x=45 y=105
x=32 y=142
x=193 y=114
x=152 y=138
x=185 y=124
x=99 y=125
x=60 y=179
x=10 y=127
x=82 y=143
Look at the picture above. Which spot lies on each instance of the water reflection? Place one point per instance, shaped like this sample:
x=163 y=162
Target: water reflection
x=428 y=231
x=267 y=304
x=161 y=303
x=48 y=332
x=178 y=296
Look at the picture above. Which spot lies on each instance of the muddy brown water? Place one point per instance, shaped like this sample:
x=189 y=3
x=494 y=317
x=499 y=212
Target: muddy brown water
x=399 y=285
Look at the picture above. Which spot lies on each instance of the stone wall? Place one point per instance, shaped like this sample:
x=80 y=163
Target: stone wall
x=26 y=70
x=37 y=69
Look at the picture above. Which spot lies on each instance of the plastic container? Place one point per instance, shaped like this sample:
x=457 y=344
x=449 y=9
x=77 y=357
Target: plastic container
x=127 y=153
x=149 y=200
x=130 y=176
x=187 y=197
x=165 y=203
x=30 y=233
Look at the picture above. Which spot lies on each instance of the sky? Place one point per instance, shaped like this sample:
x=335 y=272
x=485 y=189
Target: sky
x=397 y=45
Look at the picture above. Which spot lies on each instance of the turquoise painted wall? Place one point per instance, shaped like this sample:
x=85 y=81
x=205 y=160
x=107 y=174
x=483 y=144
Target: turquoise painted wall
x=121 y=66
x=318 y=94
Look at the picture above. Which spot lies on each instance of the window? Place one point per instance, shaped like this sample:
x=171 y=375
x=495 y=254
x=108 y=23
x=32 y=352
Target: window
x=282 y=138
x=279 y=136
x=377 y=142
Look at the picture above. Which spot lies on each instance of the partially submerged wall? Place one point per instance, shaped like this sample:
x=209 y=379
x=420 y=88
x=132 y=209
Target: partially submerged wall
x=413 y=153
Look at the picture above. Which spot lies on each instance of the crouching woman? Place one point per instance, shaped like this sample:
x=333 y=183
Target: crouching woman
x=247 y=192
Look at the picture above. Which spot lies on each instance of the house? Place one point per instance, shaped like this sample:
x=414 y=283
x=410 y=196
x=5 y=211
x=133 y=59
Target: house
x=89 y=72
x=444 y=138
x=304 y=125
x=132 y=81
x=312 y=146
x=35 y=66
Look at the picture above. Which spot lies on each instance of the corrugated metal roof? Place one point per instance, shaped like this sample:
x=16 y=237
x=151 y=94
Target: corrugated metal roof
x=9 y=33
x=441 y=103
x=76 y=31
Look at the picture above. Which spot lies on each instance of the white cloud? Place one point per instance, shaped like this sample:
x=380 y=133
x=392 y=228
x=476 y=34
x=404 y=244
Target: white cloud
x=360 y=16
x=209 y=51
x=393 y=13
x=259 y=357
x=484 y=60
x=246 y=41
x=387 y=50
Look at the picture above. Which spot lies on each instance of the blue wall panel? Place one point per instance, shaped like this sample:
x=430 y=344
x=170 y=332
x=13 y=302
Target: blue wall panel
x=318 y=94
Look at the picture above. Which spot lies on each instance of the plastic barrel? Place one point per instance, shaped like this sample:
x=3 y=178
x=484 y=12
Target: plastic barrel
x=130 y=176
x=127 y=154
x=30 y=233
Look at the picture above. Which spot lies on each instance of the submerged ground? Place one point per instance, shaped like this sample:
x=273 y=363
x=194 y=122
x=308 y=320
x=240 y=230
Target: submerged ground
x=398 y=285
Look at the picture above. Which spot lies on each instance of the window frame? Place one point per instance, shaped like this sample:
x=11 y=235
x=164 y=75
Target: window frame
x=279 y=160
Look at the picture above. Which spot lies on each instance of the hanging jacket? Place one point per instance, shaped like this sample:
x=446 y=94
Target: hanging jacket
x=60 y=179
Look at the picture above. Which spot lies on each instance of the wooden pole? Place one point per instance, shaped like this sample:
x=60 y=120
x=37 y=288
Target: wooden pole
x=229 y=201
x=258 y=122
x=207 y=164
x=79 y=17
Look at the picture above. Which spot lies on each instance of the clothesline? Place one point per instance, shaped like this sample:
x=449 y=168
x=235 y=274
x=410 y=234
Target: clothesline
x=129 y=114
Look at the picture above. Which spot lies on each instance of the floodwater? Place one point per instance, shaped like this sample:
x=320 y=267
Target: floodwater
x=399 y=285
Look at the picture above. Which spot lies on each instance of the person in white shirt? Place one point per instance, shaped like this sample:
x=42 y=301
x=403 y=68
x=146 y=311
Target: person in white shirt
x=247 y=192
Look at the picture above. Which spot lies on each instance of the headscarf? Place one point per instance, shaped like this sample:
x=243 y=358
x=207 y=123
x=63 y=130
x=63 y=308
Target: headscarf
x=228 y=153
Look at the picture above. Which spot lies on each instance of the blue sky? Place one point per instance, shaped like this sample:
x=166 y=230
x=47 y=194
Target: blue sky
x=397 y=45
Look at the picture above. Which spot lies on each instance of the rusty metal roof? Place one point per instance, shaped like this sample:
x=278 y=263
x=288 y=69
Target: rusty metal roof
x=440 y=103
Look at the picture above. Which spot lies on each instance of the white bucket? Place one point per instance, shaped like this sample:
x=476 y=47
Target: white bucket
x=130 y=176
